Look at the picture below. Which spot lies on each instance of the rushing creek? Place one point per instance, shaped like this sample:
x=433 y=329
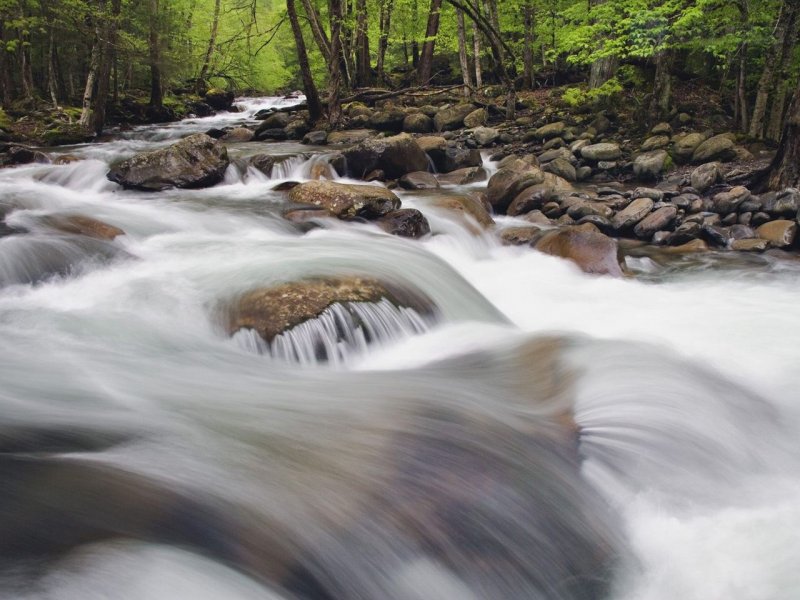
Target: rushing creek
x=146 y=454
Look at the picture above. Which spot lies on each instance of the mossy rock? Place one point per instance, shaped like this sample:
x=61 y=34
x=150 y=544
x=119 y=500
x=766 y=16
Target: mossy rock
x=66 y=135
x=5 y=120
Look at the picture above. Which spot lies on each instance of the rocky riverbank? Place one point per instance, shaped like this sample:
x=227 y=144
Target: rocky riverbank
x=680 y=185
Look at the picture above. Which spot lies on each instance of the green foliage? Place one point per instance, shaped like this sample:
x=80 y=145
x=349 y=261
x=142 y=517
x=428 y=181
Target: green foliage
x=578 y=97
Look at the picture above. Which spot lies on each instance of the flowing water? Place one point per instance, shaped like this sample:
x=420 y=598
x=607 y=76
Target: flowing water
x=378 y=452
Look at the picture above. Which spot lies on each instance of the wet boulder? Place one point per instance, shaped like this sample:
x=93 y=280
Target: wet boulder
x=728 y=202
x=271 y=311
x=780 y=234
x=405 y=222
x=519 y=236
x=563 y=168
x=237 y=135
x=452 y=117
x=603 y=152
x=463 y=176
x=452 y=158
x=263 y=163
x=194 y=162
x=630 y=216
x=316 y=138
x=346 y=201
x=395 y=156
x=219 y=99
x=705 y=176
x=551 y=130
x=584 y=245
x=651 y=165
x=350 y=136
x=476 y=118
x=683 y=147
x=719 y=147
x=417 y=123
x=485 y=136
x=465 y=206
x=418 y=180
x=510 y=180
x=658 y=220
x=388 y=120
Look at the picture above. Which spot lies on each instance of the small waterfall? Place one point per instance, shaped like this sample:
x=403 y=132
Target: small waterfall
x=341 y=333
x=286 y=169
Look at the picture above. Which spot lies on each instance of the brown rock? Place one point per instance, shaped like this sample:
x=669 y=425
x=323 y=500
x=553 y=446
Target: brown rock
x=780 y=234
x=274 y=310
x=592 y=251
x=346 y=201
x=83 y=225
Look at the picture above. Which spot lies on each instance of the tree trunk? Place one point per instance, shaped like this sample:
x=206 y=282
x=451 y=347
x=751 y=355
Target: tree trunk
x=785 y=169
x=741 y=88
x=212 y=42
x=87 y=117
x=6 y=84
x=363 y=64
x=321 y=38
x=527 y=53
x=500 y=51
x=310 y=89
x=108 y=28
x=26 y=69
x=662 y=86
x=334 y=66
x=52 y=73
x=385 y=23
x=604 y=68
x=462 y=53
x=476 y=43
x=784 y=41
x=428 y=45
x=156 y=95
x=777 y=112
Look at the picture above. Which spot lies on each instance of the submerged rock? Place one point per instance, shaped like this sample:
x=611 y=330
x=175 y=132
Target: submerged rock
x=83 y=225
x=194 y=162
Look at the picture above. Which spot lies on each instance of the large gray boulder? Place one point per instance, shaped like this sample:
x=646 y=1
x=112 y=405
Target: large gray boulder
x=683 y=147
x=651 y=165
x=705 y=176
x=452 y=117
x=395 y=156
x=719 y=147
x=510 y=180
x=197 y=161
x=603 y=151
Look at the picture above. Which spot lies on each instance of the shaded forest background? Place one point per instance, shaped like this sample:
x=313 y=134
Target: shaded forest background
x=93 y=55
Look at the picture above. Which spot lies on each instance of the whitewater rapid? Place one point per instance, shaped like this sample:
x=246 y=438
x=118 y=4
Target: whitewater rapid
x=685 y=390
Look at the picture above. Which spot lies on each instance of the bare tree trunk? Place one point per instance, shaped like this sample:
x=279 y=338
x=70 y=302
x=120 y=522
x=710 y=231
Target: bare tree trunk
x=662 y=86
x=431 y=31
x=156 y=94
x=784 y=40
x=6 y=84
x=785 y=169
x=363 y=64
x=26 y=70
x=334 y=66
x=462 y=53
x=321 y=38
x=777 y=112
x=741 y=88
x=604 y=68
x=310 y=89
x=87 y=117
x=527 y=53
x=476 y=43
x=212 y=42
x=52 y=74
x=108 y=29
x=385 y=23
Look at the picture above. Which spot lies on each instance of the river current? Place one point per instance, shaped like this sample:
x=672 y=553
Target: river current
x=146 y=454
